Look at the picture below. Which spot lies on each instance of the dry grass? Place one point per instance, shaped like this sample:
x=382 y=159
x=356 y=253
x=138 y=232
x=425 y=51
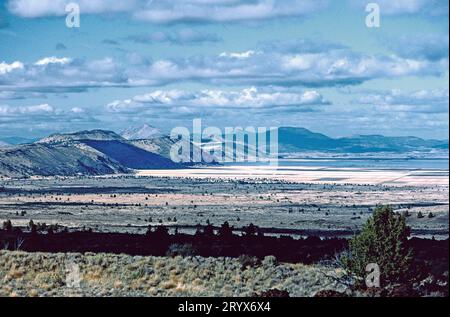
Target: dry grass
x=38 y=274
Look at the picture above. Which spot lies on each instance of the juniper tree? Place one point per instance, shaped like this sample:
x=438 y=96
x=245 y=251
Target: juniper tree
x=383 y=240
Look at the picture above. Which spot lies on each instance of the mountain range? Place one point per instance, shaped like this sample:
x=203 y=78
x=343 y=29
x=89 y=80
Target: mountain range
x=95 y=152
x=100 y=152
x=140 y=133
x=292 y=139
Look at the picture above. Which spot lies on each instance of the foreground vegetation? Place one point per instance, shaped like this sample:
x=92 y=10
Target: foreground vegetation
x=383 y=241
x=216 y=262
x=44 y=274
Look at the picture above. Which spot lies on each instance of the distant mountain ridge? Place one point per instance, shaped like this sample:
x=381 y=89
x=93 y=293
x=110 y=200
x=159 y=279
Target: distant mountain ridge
x=97 y=135
x=300 y=140
x=141 y=133
x=293 y=139
x=99 y=152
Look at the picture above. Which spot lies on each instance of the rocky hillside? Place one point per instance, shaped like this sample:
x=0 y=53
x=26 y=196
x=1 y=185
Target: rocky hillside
x=140 y=133
x=94 y=152
x=56 y=159
x=94 y=135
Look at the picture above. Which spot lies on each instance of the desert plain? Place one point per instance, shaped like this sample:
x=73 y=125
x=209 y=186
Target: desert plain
x=284 y=200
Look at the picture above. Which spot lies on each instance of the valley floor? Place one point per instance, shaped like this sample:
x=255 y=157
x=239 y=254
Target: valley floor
x=299 y=203
x=324 y=203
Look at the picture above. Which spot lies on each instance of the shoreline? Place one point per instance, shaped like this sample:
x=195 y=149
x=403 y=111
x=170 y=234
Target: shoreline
x=309 y=174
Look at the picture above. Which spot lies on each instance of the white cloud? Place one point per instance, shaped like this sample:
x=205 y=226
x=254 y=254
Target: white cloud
x=329 y=68
x=171 y=11
x=53 y=60
x=42 y=108
x=35 y=109
x=425 y=101
x=298 y=62
x=167 y=11
x=241 y=55
x=248 y=98
x=7 y=68
x=77 y=110
x=127 y=105
x=64 y=75
x=261 y=66
x=43 y=119
x=45 y=8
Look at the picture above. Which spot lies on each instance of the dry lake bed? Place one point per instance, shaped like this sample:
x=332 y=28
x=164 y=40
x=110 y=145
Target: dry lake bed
x=287 y=200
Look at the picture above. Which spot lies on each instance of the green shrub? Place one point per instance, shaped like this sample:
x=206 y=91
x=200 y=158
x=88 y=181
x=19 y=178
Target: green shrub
x=248 y=261
x=7 y=225
x=383 y=240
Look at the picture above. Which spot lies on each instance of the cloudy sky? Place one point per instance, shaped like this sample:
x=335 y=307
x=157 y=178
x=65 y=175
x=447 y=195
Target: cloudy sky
x=308 y=63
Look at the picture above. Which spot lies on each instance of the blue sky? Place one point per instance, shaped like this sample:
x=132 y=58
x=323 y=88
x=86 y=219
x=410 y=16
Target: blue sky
x=308 y=63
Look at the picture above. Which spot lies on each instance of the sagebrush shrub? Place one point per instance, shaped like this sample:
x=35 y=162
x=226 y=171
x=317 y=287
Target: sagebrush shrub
x=249 y=261
x=383 y=240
